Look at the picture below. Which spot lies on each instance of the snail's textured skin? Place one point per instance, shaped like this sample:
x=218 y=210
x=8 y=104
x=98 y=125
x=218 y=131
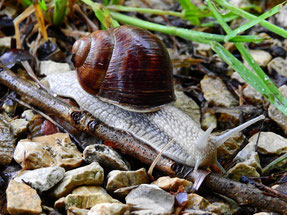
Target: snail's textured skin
x=155 y=128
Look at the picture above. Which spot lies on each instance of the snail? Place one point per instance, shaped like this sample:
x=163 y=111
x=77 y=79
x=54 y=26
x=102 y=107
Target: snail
x=153 y=124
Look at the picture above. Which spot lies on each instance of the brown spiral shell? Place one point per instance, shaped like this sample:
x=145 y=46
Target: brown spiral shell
x=127 y=66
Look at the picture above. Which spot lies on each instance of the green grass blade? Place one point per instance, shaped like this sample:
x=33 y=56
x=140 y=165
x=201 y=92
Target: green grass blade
x=251 y=78
x=281 y=101
x=253 y=22
x=102 y=13
x=59 y=14
x=181 y=32
x=249 y=16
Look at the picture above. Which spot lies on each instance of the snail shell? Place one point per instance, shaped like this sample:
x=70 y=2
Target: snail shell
x=127 y=66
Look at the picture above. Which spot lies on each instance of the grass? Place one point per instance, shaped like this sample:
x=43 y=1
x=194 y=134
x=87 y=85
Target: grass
x=109 y=16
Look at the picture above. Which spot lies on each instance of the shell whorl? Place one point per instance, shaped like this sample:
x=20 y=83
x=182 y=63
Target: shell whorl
x=127 y=66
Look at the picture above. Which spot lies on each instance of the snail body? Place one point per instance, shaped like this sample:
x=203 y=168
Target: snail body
x=143 y=108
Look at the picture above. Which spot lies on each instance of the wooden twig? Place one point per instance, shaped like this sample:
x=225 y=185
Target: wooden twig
x=127 y=144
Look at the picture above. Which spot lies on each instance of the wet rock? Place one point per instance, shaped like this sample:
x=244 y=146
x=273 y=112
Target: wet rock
x=208 y=119
x=109 y=209
x=42 y=179
x=28 y=115
x=187 y=105
x=281 y=17
x=92 y=174
x=276 y=115
x=77 y=211
x=242 y=169
x=151 y=197
x=278 y=65
x=248 y=163
x=7 y=142
x=85 y=197
x=203 y=49
x=51 y=67
x=22 y=199
x=251 y=95
x=196 y=202
x=237 y=77
x=270 y=143
x=230 y=147
x=119 y=179
x=105 y=156
x=50 y=150
x=19 y=126
x=216 y=92
x=172 y=184
x=261 y=57
x=5 y=42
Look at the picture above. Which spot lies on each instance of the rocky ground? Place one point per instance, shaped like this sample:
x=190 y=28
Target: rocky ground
x=45 y=171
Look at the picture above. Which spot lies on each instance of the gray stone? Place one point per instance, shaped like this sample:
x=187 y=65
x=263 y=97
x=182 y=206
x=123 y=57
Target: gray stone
x=50 y=150
x=7 y=141
x=105 y=156
x=119 y=179
x=85 y=197
x=51 y=67
x=187 y=105
x=22 y=199
x=109 y=209
x=261 y=57
x=216 y=92
x=276 y=115
x=251 y=95
x=92 y=174
x=281 y=17
x=19 y=126
x=42 y=179
x=270 y=143
x=279 y=65
x=151 y=197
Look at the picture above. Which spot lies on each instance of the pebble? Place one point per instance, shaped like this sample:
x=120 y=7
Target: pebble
x=172 y=184
x=77 y=211
x=7 y=142
x=251 y=95
x=92 y=174
x=151 y=197
x=109 y=209
x=278 y=65
x=85 y=197
x=248 y=163
x=278 y=116
x=50 y=150
x=42 y=179
x=270 y=143
x=230 y=147
x=203 y=49
x=119 y=179
x=50 y=67
x=197 y=202
x=208 y=119
x=216 y=92
x=187 y=105
x=260 y=56
x=105 y=156
x=281 y=17
x=22 y=199
x=18 y=126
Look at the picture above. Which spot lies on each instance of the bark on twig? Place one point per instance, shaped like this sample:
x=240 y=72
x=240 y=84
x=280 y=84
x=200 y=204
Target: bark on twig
x=127 y=144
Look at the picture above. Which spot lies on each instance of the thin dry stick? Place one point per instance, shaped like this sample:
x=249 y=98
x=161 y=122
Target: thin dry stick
x=127 y=144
